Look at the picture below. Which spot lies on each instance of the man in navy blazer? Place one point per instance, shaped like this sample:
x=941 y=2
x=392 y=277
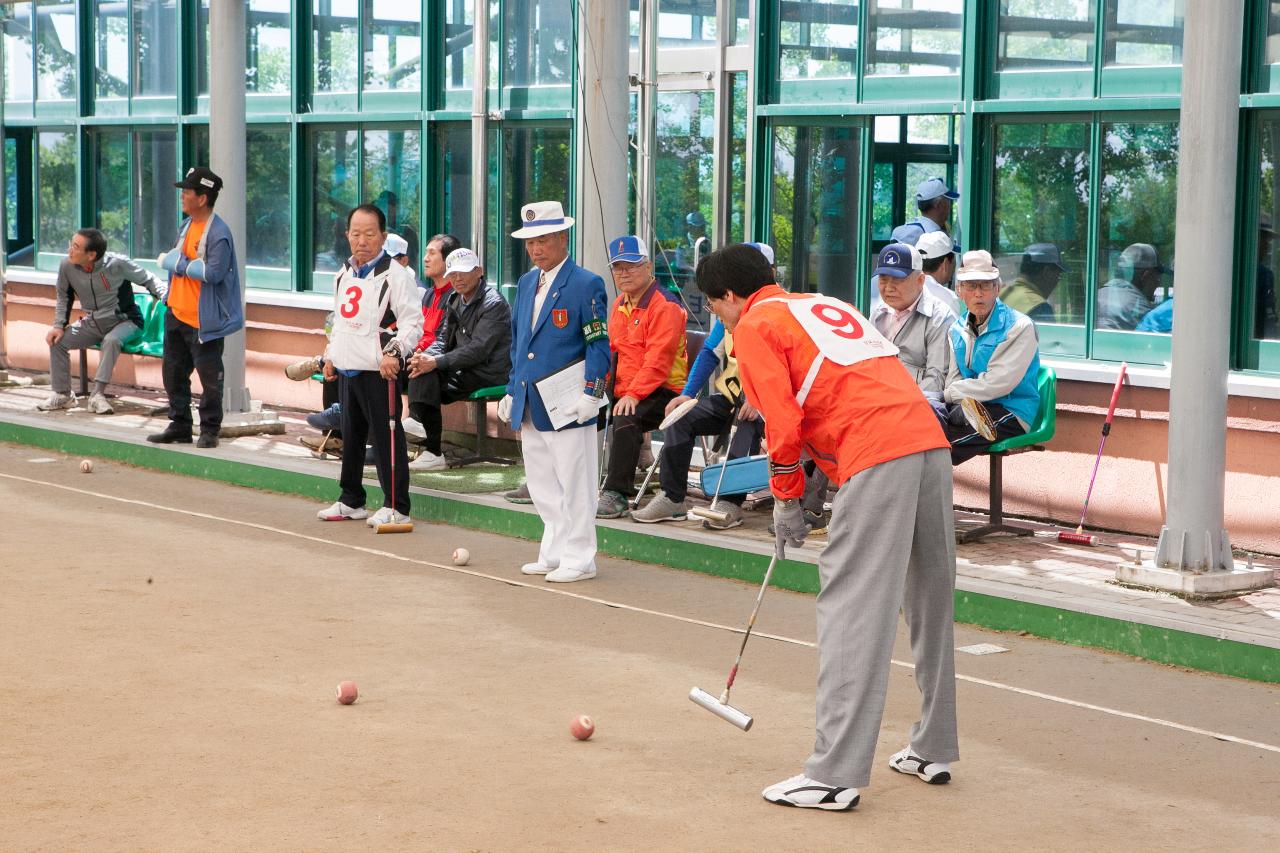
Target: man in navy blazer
x=558 y=321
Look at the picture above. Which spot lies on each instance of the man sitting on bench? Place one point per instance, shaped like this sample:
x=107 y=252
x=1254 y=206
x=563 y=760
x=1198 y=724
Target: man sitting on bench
x=103 y=284
x=471 y=350
x=991 y=389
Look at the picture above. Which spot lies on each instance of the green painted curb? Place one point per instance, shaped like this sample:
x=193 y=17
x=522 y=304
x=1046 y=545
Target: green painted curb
x=1163 y=645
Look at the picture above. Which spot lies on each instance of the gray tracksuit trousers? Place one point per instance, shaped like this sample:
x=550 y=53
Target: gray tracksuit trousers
x=891 y=546
x=110 y=332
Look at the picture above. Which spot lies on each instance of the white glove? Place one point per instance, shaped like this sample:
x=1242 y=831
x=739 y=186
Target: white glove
x=788 y=524
x=588 y=407
x=504 y=409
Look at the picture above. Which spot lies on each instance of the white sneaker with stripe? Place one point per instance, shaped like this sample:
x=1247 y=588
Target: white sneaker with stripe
x=805 y=793
x=933 y=772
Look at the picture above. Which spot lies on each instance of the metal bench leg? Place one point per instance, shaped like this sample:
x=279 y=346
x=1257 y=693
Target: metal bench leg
x=482 y=432
x=995 y=497
x=84 y=372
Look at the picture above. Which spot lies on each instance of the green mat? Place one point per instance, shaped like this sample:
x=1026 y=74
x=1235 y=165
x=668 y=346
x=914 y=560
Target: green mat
x=471 y=480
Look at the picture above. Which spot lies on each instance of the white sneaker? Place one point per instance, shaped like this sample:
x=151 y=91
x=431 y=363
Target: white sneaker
x=414 y=428
x=428 y=461
x=56 y=401
x=536 y=569
x=387 y=515
x=99 y=405
x=933 y=772
x=341 y=512
x=566 y=575
x=805 y=793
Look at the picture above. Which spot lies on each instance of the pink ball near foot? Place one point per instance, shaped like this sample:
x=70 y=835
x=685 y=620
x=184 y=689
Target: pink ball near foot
x=581 y=727
x=347 y=692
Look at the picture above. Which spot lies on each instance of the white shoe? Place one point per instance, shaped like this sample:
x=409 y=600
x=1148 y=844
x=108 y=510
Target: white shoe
x=933 y=772
x=805 y=793
x=536 y=569
x=341 y=512
x=387 y=515
x=56 y=401
x=99 y=405
x=413 y=428
x=428 y=461
x=567 y=575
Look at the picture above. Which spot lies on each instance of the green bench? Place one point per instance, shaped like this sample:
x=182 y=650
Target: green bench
x=1032 y=440
x=480 y=401
x=149 y=341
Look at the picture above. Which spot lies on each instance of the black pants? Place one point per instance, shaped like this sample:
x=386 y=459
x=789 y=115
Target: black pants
x=626 y=434
x=430 y=391
x=364 y=421
x=965 y=443
x=710 y=417
x=184 y=353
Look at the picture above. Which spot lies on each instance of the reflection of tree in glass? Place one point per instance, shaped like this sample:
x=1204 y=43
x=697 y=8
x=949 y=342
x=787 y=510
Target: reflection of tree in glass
x=267 y=197
x=57 y=189
x=1139 y=189
x=55 y=62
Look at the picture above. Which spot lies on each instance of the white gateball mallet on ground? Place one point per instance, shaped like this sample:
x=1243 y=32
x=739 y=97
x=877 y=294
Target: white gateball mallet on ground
x=582 y=727
x=461 y=556
x=86 y=466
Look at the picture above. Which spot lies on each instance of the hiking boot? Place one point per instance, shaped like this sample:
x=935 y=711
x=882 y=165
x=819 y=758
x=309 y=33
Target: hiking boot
x=805 y=793
x=172 y=434
x=300 y=371
x=520 y=495
x=329 y=419
x=56 y=401
x=933 y=772
x=208 y=439
x=99 y=405
x=661 y=508
x=428 y=461
x=976 y=415
x=732 y=518
x=611 y=505
x=341 y=512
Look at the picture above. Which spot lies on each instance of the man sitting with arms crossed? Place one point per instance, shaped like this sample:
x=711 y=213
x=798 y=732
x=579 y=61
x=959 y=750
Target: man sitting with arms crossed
x=915 y=320
x=995 y=361
x=103 y=284
x=646 y=331
x=471 y=350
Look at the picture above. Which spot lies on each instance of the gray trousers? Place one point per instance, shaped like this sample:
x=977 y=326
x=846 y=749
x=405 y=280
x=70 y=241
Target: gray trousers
x=83 y=335
x=892 y=545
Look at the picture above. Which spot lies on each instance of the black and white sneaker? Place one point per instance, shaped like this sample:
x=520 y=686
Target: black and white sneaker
x=933 y=772
x=805 y=793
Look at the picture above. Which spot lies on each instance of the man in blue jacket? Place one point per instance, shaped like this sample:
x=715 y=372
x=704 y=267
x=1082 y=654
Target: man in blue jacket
x=204 y=307
x=558 y=322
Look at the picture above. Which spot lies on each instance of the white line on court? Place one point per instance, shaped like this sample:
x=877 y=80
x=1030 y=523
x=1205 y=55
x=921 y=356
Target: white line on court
x=542 y=587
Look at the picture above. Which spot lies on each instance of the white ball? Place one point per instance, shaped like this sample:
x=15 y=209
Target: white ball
x=461 y=556
x=86 y=466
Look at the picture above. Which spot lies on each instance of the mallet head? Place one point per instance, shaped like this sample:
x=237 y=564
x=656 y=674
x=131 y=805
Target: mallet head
x=720 y=709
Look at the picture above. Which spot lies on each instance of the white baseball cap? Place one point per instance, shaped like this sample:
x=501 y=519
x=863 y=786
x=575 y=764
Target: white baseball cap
x=765 y=249
x=460 y=260
x=395 y=245
x=542 y=217
x=934 y=244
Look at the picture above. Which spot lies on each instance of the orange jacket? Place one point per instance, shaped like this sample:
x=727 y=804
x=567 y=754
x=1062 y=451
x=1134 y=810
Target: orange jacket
x=853 y=418
x=650 y=342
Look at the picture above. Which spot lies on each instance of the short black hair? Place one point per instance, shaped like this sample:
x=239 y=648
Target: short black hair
x=739 y=268
x=932 y=265
x=371 y=209
x=211 y=196
x=448 y=244
x=926 y=206
x=94 y=241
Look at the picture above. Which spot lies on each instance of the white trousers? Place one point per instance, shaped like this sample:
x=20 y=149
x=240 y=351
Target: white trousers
x=562 y=471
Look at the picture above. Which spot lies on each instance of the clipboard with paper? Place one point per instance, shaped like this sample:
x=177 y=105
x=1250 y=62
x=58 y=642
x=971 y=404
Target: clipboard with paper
x=560 y=392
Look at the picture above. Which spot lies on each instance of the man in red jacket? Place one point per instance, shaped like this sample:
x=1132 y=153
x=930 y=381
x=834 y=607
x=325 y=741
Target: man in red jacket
x=828 y=384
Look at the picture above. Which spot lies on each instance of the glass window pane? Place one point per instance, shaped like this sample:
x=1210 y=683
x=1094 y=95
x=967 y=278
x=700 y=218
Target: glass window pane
x=536 y=162
x=336 y=180
x=1039 y=213
x=267 y=196
x=453 y=142
x=17 y=51
x=55 y=50
x=914 y=36
x=155 y=200
x=1273 y=33
x=393 y=45
x=1136 y=225
x=392 y=176
x=1044 y=34
x=57 y=188
x=687 y=23
x=813 y=208
x=1266 y=308
x=738 y=161
x=683 y=174
x=459 y=50
x=335 y=45
x=539 y=49
x=11 y=189
x=268 y=48
x=111 y=187
x=155 y=41
x=1144 y=32
x=817 y=39
x=112 y=49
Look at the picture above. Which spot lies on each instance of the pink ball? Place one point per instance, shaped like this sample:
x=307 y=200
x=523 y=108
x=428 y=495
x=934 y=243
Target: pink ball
x=347 y=692
x=581 y=727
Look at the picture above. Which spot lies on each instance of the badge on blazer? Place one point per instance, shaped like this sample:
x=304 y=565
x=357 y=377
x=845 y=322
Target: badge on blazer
x=560 y=317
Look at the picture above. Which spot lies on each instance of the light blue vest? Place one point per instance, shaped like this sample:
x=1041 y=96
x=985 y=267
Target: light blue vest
x=1024 y=399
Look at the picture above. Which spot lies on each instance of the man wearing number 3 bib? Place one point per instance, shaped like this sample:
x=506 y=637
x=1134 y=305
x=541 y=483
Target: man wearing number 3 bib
x=828 y=384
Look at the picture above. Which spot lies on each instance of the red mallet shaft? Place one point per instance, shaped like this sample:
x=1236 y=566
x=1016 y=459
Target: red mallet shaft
x=1106 y=430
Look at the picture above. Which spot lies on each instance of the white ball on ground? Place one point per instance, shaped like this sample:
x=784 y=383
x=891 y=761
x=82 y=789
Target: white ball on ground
x=86 y=466
x=461 y=556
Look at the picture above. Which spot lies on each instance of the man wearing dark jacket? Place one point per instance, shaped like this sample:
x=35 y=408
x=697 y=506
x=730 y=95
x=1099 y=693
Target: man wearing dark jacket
x=103 y=285
x=471 y=350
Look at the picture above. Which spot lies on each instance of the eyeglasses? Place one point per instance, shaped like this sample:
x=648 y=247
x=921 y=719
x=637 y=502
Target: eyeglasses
x=980 y=285
x=629 y=269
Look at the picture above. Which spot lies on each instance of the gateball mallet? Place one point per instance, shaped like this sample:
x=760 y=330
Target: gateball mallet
x=1079 y=537
x=676 y=414
x=391 y=427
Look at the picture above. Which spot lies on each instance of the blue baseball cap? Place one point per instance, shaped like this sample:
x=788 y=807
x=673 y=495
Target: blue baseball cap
x=935 y=188
x=629 y=249
x=898 y=260
x=765 y=249
x=696 y=220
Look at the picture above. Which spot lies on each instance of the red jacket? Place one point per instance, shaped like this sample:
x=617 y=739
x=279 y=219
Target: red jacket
x=854 y=417
x=433 y=299
x=650 y=342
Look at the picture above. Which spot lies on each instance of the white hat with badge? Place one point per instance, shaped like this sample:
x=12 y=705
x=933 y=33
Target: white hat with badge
x=542 y=217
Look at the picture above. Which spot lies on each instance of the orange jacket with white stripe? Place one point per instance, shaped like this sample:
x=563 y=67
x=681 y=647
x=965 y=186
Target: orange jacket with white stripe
x=852 y=417
x=649 y=338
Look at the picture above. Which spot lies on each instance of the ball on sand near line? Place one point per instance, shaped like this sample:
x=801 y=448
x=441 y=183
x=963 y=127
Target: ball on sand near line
x=86 y=466
x=581 y=727
x=461 y=556
x=347 y=692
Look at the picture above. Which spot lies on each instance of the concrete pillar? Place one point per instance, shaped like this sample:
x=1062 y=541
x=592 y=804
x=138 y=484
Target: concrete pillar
x=1194 y=554
x=480 y=177
x=722 y=145
x=646 y=122
x=602 y=115
x=227 y=159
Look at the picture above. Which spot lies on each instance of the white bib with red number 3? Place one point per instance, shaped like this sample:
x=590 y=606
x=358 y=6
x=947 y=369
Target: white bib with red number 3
x=359 y=310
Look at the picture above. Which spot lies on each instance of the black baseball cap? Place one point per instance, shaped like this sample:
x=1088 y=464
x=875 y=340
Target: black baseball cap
x=202 y=180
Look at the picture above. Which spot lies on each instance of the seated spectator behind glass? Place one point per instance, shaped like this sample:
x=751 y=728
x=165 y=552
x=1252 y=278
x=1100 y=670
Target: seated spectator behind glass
x=912 y=318
x=1125 y=300
x=471 y=350
x=938 y=261
x=1038 y=277
x=1158 y=319
x=1267 y=324
x=647 y=337
x=991 y=391
x=934 y=200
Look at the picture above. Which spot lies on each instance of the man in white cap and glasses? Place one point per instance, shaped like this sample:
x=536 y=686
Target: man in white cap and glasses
x=558 y=324
x=1125 y=300
x=933 y=199
x=995 y=361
